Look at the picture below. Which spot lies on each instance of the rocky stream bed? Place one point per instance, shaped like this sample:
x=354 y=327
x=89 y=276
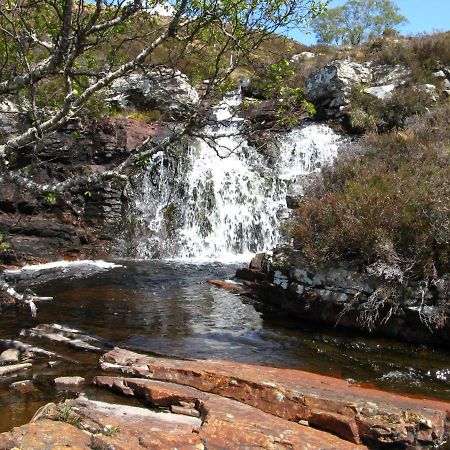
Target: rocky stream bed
x=149 y=355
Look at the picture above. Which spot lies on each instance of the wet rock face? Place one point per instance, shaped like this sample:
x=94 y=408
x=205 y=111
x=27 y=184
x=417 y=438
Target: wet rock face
x=286 y=284
x=35 y=228
x=162 y=88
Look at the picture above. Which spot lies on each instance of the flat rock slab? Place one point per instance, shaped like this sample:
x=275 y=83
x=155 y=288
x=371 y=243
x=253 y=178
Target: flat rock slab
x=353 y=413
x=45 y=434
x=69 y=381
x=28 y=349
x=88 y=424
x=67 y=336
x=226 y=423
x=14 y=368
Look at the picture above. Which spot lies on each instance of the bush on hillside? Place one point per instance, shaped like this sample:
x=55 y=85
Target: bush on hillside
x=369 y=113
x=421 y=54
x=387 y=206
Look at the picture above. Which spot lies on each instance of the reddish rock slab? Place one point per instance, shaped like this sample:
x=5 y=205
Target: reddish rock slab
x=88 y=424
x=350 y=412
x=45 y=434
x=128 y=132
x=226 y=423
x=131 y=427
x=228 y=284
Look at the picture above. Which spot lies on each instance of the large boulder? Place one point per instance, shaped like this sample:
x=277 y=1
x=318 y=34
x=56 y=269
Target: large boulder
x=164 y=89
x=329 y=87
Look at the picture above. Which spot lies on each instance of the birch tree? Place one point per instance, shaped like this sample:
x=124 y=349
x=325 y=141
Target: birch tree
x=57 y=56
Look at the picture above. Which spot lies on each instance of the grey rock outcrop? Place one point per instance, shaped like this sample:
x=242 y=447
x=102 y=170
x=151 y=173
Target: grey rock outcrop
x=285 y=283
x=385 y=74
x=330 y=86
x=164 y=89
x=443 y=77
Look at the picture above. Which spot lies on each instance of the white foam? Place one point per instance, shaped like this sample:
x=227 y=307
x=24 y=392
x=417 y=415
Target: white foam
x=224 y=200
x=222 y=258
x=100 y=264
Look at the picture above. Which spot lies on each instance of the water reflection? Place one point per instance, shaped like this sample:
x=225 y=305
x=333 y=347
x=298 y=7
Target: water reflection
x=169 y=309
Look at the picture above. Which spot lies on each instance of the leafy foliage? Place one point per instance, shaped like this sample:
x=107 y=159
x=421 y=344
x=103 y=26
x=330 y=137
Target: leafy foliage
x=57 y=56
x=357 y=21
x=278 y=83
x=4 y=245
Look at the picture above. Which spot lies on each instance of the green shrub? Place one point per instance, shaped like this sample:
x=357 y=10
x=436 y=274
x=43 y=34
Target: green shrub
x=389 y=203
x=3 y=244
x=368 y=113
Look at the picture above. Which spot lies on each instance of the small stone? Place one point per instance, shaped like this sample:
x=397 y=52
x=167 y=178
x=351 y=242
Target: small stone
x=304 y=423
x=69 y=381
x=29 y=354
x=24 y=387
x=53 y=364
x=11 y=355
x=8 y=370
x=439 y=74
x=185 y=411
x=187 y=404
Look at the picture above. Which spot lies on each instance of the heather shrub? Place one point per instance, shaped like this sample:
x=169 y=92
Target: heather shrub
x=422 y=54
x=369 y=113
x=387 y=204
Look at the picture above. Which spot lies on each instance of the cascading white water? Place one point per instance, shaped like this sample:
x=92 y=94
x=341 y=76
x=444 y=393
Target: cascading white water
x=224 y=198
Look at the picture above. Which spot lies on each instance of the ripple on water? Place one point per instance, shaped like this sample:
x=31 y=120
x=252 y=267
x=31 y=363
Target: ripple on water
x=169 y=309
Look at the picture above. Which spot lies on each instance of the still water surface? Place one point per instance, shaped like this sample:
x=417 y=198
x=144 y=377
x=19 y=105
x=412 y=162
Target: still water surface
x=167 y=308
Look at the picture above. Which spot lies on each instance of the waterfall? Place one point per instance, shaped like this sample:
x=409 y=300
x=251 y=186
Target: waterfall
x=223 y=198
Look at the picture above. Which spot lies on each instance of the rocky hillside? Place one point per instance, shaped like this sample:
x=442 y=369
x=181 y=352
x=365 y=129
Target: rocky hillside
x=371 y=233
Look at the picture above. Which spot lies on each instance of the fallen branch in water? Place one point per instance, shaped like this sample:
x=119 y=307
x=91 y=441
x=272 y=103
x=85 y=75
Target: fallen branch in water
x=27 y=297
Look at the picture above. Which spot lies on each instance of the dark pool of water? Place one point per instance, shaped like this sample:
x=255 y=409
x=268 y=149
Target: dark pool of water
x=168 y=308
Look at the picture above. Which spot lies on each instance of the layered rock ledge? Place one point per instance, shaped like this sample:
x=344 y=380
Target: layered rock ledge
x=353 y=413
x=285 y=284
x=213 y=404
